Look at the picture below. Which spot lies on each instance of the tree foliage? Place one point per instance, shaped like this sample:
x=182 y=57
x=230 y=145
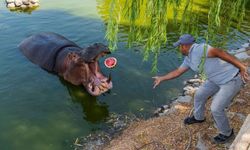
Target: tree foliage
x=147 y=21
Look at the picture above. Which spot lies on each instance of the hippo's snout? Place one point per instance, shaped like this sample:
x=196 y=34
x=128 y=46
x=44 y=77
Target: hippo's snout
x=98 y=83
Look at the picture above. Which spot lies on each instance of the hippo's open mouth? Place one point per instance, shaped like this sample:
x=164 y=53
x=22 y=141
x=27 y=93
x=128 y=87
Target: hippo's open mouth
x=98 y=83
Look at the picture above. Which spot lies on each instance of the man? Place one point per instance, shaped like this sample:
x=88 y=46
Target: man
x=225 y=76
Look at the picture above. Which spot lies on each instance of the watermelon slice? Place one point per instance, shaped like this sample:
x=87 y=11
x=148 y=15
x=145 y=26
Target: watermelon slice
x=110 y=62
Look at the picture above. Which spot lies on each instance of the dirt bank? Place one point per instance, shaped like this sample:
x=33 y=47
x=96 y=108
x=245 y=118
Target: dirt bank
x=168 y=132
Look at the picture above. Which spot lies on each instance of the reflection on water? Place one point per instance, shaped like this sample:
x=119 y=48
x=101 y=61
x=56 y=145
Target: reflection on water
x=93 y=111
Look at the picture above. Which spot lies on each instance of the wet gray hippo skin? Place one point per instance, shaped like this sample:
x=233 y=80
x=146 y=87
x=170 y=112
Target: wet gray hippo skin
x=77 y=65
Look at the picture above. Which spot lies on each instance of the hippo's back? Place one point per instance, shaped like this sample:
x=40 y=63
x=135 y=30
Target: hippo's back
x=43 y=48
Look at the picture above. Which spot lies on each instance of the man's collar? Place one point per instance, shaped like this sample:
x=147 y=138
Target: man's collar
x=191 y=48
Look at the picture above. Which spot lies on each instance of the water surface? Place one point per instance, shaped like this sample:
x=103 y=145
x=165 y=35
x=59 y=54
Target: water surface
x=41 y=111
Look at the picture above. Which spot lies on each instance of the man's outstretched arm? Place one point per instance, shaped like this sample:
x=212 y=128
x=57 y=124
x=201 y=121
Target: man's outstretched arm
x=215 y=52
x=171 y=75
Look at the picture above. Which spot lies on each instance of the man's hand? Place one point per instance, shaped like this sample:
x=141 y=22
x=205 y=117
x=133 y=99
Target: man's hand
x=215 y=52
x=168 y=76
x=244 y=73
x=157 y=81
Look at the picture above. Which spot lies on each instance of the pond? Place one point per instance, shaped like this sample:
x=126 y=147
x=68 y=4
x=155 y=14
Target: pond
x=41 y=111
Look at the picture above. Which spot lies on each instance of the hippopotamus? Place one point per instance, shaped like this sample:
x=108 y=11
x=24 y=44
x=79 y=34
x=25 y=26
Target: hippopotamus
x=77 y=65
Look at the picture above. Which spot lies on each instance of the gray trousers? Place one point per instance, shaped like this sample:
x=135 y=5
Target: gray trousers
x=222 y=97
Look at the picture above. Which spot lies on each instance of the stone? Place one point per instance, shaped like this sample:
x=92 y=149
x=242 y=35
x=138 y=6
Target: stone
x=184 y=99
x=25 y=2
x=165 y=112
x=242 y=56
x=18 y=3
x=201 y=145
x=162 y=110
x=245 y=45
x=231 y=114
x=10 y=1
x=196 y=84
x=34 y=1
x=241 y=101
x=35 y=4
x=241 y=116
x=233 y=52
x=23 y=6
x=192 y=81
x=189 y=90
x=243 y=49
x=11 y=5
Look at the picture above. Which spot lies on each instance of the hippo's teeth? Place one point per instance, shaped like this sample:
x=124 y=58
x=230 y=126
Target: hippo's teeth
x=102 y=88
x=104 y=84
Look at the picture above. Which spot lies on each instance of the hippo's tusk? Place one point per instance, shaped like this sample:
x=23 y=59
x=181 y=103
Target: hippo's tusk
x=109 y=78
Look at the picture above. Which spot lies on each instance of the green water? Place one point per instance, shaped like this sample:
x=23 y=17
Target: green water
x=40 y=111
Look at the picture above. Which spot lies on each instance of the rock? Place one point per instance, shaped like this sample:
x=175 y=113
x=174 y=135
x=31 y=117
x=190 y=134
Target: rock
x=201 y=145
x=34 y=1
x=231 y=114
x=196 y=84
x=192 y=81
x=25 y=2
x=165 y=112
x=11 y=5
x=10 y=1
x=161 y=111
x=245 y=45
x=18 y=3
x=240 y=50
x=241 y=116
x=184 y=99
x=242 y=56
x=243 y=49
x=189 y=90
x=35 y=4
x=23 y=6
x=241 y=101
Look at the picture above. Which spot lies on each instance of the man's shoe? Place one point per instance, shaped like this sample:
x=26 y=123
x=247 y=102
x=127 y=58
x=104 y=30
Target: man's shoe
x=221 y=139
x=192 y=120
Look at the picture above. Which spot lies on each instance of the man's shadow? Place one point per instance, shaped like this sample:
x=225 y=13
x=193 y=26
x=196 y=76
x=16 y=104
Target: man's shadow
x=93 y=110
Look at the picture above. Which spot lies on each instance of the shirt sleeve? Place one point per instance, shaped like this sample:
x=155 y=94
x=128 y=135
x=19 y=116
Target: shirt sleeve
x=185 y=63
x=208 y=48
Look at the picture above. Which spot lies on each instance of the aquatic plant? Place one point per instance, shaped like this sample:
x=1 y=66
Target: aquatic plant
x=146 y=22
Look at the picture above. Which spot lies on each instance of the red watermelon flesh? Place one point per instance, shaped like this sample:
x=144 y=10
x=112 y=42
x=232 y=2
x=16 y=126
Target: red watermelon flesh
x=110 y=62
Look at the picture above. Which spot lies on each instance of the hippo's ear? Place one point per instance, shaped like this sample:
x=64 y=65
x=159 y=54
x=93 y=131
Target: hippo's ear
x=73 y=56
